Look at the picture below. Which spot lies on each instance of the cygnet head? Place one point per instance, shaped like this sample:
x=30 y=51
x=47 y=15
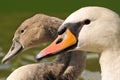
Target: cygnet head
x=90 y=29
x=33 y=32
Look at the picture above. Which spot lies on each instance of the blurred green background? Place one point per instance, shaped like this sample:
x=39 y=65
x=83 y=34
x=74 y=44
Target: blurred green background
x=14 y=12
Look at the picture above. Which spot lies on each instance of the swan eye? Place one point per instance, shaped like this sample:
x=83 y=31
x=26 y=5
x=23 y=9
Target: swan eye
x=87 y=21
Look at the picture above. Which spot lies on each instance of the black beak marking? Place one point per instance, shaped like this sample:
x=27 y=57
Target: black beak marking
x=62 y=31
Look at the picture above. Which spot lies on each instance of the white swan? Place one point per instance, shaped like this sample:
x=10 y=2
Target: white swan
x=94 y=29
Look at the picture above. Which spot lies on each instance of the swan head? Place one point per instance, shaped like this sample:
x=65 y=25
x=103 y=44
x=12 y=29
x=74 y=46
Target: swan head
x=91 y=29
x=33 y=32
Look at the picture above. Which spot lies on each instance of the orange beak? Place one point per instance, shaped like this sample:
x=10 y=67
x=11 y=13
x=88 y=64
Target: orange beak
x=62 y=42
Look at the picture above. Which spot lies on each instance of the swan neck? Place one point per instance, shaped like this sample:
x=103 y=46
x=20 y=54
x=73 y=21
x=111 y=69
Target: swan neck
x=110 y=64
x=51 y=32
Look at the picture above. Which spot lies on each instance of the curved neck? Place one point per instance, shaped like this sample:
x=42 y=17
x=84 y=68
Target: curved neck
x=51 y=33
x=51 y=29
x=110 y=64
x=74 y=64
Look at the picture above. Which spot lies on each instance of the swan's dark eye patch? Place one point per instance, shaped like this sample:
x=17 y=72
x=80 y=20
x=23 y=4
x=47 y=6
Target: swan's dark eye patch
x=87 y=21
x=73 y=27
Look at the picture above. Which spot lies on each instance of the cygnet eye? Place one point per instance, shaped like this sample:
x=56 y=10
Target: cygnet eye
x=22 y=31
x=87 y=21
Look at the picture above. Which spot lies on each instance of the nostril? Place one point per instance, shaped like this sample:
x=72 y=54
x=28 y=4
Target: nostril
x=12 y=48
x=59 y=40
